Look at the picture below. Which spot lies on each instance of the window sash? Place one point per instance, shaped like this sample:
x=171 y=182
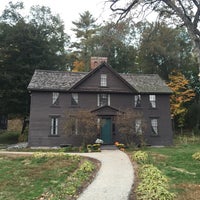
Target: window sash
x=154 y=126
x=138 y=126
x=103 y=82
x=137 y=100
x=152 y=99
x=74 y=99
x=74 y=126
x=54 y=126
x=103 y=99
x=55 y=96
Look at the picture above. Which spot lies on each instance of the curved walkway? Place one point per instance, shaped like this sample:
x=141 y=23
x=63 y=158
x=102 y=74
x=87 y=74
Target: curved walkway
x=114 y=179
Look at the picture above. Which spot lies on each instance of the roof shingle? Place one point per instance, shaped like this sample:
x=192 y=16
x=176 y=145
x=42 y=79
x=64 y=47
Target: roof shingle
x=62 y=81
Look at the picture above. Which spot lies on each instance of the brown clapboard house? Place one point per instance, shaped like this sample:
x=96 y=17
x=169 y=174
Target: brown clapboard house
x=103 y=91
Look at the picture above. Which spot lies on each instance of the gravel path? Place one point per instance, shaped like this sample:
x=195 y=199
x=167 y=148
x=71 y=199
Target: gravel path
x=114 y=179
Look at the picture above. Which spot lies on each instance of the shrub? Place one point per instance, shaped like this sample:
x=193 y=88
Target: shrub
x=153 y=185
x=51 y=155
x=196 y=156
x=93 y=148
x=140 y=157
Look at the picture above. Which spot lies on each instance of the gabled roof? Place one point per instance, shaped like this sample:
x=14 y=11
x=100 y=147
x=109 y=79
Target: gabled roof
x=54 y=80
x=147 y=83
x=109 y=68
x=46 y=80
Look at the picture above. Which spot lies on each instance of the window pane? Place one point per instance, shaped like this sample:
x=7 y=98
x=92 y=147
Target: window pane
x=103 y=99
x=74 y=125
x=54 y=126
x=137 y=100
x=152 y=99
x=138 y=126
x=55 y=96
x=154 y=126
x=74 y=99
x=103 y=80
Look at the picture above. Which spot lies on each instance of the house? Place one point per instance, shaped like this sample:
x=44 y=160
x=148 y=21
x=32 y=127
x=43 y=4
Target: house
x=103 y=91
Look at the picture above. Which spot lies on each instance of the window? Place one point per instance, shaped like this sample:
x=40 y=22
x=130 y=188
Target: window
x=74 y=125
x=138 y=126
x=103 y=82
x=103 y=99
x=54 y=125
x=154 y=126
x=137 y=100
x=55 y=96
x=152 y=99
x=74 y=99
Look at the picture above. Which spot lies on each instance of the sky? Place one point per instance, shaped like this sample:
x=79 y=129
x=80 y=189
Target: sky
x=68 y=10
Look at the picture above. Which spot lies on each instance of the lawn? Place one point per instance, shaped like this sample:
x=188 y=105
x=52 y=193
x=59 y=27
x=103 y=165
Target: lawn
x=177 y=164
x=49 y=176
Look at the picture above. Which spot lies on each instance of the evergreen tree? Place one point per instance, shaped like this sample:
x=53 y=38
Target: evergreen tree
x=85 y=29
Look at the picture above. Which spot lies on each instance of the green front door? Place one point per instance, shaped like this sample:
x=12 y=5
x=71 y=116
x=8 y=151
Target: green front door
x=106 y=131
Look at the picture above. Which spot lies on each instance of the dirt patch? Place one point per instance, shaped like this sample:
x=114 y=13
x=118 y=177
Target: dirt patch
x=159 y=157
x=190 y=192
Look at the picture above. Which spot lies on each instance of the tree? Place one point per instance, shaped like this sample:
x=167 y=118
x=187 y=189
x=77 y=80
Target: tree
x=186 y=11
x=113 y=41
x=82 y=123
x=85 y=29
x=163 y=49
x=26 y=44
x=182 y=94
x=131 y=126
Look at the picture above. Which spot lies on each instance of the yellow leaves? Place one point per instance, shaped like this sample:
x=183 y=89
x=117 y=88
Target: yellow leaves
x=78 y=66
x=182 y=94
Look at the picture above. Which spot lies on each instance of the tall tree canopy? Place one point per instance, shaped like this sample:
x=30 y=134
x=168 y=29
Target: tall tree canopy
x=186 y=11
x=26 y=44
x=85 y=29
x=163 y=49
x=113 y=41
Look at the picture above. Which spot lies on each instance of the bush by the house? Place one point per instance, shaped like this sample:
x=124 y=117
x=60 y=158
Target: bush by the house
x=93 y=147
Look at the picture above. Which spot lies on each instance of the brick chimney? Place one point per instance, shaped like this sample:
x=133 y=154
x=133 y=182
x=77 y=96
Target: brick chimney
x=96 y=61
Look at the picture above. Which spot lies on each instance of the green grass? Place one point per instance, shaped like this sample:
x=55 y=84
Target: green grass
x=30 y=178
x=177 y=164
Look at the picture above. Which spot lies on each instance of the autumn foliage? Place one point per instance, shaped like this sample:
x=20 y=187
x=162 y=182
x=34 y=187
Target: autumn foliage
x=78 y=66
x=181 y=95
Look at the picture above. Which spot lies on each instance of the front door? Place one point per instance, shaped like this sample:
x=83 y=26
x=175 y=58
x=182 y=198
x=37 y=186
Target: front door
x=106 y=131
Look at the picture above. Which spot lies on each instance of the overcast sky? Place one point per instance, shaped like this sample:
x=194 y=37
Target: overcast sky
x=68 y=10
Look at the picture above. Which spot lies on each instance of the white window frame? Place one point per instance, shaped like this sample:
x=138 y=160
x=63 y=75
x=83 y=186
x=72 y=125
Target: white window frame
x=74 y=99
x=54 y=125
x=152 y=99
x=137 y=101
x=55 y=96
x=101 y=103
x=103 y=82
x=154 y=126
